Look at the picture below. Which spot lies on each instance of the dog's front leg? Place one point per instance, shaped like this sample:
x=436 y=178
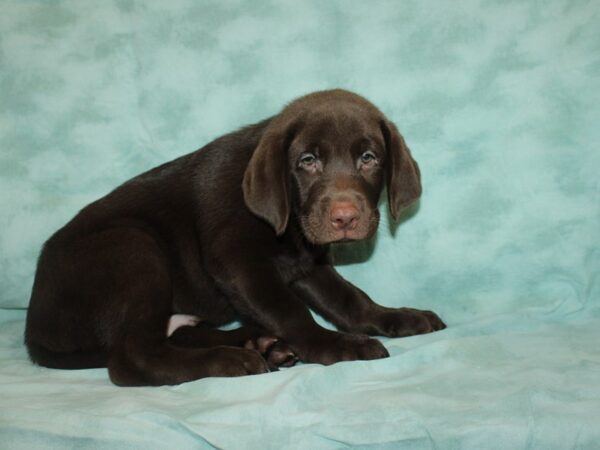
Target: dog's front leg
x=351 y=310
x=260 y=293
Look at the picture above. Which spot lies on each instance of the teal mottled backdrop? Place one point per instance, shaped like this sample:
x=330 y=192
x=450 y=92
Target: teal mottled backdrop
x=500 y=104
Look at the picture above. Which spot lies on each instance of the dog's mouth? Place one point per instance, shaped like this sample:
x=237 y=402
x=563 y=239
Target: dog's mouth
x=344 y=240
x=347 y=237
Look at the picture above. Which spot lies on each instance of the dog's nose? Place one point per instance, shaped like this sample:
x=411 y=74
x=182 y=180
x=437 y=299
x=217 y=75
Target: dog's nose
x=344 y=216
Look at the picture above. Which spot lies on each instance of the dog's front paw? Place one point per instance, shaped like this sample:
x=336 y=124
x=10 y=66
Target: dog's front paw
x=336 y=347
x=408 y=322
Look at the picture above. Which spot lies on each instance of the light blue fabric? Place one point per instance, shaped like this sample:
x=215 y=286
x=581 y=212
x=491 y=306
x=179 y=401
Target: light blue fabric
x=499 y=102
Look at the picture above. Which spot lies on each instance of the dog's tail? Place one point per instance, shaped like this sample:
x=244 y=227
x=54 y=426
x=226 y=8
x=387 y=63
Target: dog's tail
x=80 y=359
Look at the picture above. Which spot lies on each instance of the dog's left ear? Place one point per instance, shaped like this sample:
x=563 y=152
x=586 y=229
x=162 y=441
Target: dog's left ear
x=403 y=174
x=265 y=185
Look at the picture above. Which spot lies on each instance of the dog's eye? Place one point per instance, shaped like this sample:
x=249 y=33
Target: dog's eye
x=307 y=160
x=368 y=157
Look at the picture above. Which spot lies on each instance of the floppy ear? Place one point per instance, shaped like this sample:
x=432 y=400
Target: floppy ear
x=403 y=175
x=265 y=184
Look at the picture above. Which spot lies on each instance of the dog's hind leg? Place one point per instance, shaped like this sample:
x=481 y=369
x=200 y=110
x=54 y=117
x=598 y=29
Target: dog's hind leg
x=104 y=299
x=150 y=360
x=140 y=352
x=144 y=355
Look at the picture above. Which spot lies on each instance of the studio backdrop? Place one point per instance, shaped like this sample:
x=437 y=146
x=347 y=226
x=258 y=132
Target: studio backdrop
x=499 y=103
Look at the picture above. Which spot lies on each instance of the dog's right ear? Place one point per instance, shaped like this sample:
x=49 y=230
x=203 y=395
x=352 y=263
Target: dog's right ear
x=266 y=180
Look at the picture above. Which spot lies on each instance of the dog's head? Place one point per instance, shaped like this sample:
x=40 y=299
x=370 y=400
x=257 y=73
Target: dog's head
x=325 y=159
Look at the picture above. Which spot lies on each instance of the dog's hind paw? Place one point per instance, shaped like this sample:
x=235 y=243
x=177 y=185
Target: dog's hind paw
x=276 y=353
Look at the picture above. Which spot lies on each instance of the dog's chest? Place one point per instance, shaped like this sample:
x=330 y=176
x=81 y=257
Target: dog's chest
x=295 y=263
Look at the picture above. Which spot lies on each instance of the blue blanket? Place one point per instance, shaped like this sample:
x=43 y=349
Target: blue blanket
x=499 y=102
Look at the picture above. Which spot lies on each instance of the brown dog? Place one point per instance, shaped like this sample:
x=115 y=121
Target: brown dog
x=139 y=280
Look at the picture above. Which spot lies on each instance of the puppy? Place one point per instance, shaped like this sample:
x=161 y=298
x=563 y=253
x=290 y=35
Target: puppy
x=139 y=280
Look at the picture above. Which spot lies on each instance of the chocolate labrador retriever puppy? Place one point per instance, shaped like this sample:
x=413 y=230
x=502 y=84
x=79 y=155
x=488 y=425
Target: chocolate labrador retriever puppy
x=140 y=280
